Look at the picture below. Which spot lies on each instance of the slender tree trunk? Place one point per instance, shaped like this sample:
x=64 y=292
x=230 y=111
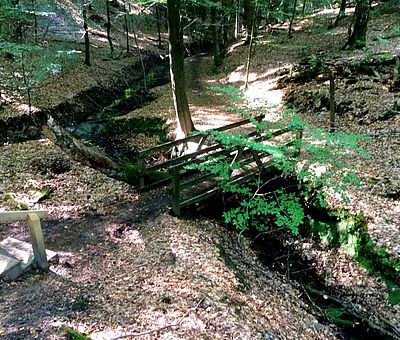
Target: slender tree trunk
x=332 y=125
x=250 y=50
x=304 y=7
x=250 y=19
x=109 y=26
x=27 y=85
x=158 y=25
x=35 y=24
x=139 y=51
x=176 y=49
x=342 y=12
x=358 y=36
x=87 y=41
x=237 y=18
x=228 y=24
x=18 y=28
x=140 y=55
x=216 y=38
x=292 y=18
x=126 y=27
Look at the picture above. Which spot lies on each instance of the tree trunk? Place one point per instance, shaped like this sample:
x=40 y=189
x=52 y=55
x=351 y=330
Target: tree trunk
x=292 y=18
x=176 y=49
x=228 y=25
x=158 y=17
x=126 y=27
x=303 y=11
x=342 y=12
x=35 y=24
x=237 y=18
x=85 y=27
x=249 y=19
x=140 y=55
x=358 y=36
x=249 y=54
x=109 y=26
x=216 y=38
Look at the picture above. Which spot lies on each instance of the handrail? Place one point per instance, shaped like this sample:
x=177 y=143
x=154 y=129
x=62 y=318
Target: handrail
x=199 y=134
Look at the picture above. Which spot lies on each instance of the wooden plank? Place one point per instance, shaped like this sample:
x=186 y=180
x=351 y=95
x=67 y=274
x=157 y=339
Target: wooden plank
x=37 y=241
x=198 y=198
x=156 y=184
x=7 y=216
x=197 y=180
x=180 y=159
x=238 y=180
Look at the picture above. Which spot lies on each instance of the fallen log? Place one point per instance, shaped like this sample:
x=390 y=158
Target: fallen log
x=81 y=152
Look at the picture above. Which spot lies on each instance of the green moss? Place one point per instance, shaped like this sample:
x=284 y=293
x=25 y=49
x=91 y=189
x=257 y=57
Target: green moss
x=131 y=173
x=350 y=232
x=337 y=314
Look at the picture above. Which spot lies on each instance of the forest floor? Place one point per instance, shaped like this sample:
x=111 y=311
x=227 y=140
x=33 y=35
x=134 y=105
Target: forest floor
x=128 y=266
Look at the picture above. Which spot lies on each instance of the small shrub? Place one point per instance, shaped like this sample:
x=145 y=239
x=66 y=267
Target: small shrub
x=74 y=335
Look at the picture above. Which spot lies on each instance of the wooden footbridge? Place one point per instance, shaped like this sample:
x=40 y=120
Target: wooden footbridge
x=172 y=163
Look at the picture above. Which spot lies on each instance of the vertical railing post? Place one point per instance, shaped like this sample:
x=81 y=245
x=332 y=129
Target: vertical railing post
x=140 y=165
x=175 y=190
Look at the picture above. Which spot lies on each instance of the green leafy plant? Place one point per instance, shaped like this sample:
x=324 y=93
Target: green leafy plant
x=80 y=304
x=294 y=180
x=394 y=296
x=74 y=335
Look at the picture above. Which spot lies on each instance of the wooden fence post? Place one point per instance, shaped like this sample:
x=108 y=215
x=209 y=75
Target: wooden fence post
x=37 y=241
